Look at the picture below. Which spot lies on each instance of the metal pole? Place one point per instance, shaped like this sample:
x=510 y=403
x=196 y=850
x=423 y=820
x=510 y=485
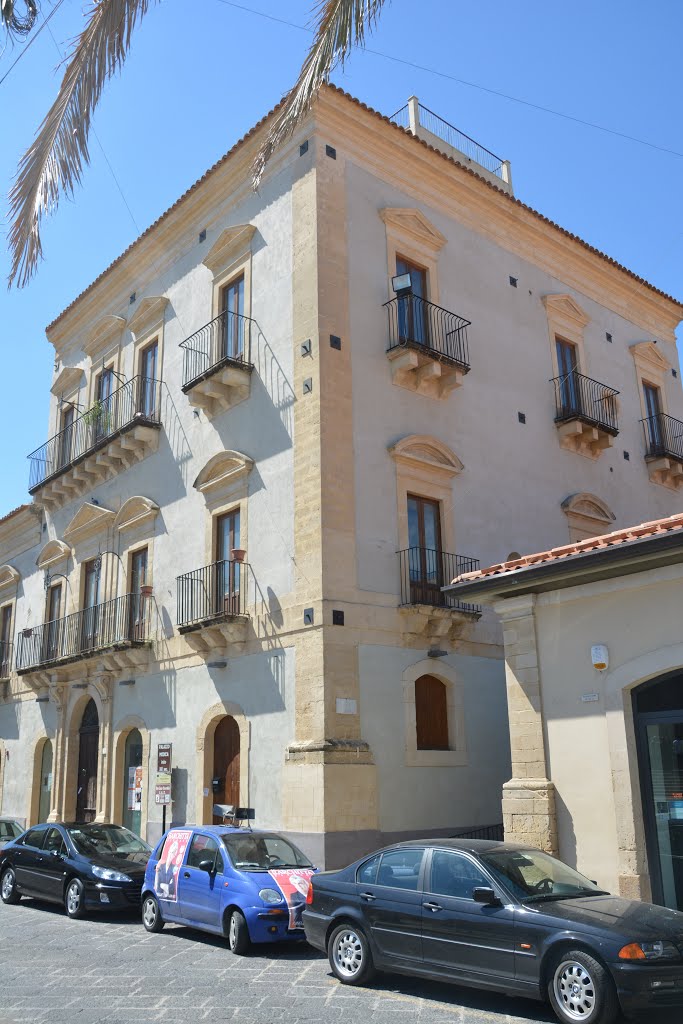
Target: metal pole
x=163 y=818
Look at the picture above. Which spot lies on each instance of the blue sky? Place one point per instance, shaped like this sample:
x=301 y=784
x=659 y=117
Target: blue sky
x=193 y=85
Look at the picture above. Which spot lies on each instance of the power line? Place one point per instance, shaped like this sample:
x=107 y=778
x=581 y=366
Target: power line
x=32 y=40
x=470 y=85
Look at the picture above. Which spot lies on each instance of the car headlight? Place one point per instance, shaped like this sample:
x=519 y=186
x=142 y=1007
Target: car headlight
x=270 y=896
x=109 y=875
x=658 y=950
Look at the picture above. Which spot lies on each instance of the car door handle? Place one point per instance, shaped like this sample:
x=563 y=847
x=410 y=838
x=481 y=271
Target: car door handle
x=186 y=874
x=367 y=896
x=432 y=906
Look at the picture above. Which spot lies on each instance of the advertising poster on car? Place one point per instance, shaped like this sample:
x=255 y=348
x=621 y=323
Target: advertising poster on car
x=293 y=884
x=168 y=865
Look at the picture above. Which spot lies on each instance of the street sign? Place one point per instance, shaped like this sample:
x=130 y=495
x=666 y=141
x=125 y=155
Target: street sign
x=162 y=789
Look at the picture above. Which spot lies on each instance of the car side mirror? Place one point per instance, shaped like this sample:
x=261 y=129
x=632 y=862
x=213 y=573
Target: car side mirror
x=482 y=894
x=206 y=865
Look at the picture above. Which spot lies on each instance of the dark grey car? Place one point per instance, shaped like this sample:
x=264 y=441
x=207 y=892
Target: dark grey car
x=497 y=916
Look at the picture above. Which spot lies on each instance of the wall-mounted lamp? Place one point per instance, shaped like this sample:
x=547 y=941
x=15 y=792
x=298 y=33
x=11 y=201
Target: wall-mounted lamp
x=126 y=682
x=600 y=657
x=402 y=284
x=436 y=653
x=217 y=664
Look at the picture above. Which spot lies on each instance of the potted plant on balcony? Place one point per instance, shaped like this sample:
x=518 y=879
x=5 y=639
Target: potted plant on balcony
x=238 y=554
x=98 y=417
x=146 y=590
x=27 y=632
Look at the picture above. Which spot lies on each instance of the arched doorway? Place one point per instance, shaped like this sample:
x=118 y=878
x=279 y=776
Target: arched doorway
x=131 y=813
x=226 y=764
x=45 y=799
x=658 y=711
x=88 y=749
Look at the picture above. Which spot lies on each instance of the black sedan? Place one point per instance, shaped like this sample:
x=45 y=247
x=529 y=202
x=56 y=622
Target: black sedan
x=498 y=916
x=82 y=866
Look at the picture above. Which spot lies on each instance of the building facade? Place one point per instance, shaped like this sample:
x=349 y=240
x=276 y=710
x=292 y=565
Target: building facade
x=280 y=422
x=594 y=671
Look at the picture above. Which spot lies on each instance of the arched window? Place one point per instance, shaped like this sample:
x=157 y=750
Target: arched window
x=431 y=714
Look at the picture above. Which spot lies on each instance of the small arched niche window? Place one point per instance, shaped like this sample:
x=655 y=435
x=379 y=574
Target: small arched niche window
x=431 y=713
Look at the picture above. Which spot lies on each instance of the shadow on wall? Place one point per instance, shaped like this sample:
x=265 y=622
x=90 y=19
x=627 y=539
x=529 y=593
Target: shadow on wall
x=566 y=837
x=10 y=715
x=174 y=435
x=179 y=790
x=274 y=380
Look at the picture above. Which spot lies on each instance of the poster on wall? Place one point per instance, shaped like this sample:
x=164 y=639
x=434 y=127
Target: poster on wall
x=294 y=887
x=135 y=788
x=168 y=865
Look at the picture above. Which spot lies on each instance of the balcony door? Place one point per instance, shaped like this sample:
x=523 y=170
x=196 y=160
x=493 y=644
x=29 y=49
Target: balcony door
x=567 y=365
x=227 y=571
x=138 y=608
x=53 y=623
x=413 y=325
x=425 y=554
x=653 y=414
x=66 y=437
x=103 y=422
x=5 y=640
x=147 y=395
x=232 y=307
x=91 y=610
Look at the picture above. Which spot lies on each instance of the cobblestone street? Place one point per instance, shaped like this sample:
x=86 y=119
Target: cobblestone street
x=110 y=969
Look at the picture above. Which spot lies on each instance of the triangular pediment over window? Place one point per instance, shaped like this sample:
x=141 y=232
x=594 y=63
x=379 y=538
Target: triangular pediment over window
x=135 y=512
x=69 y=379
x=413 y=224
x=229 y=246
x=9 y=577
x=428 y=452
x=565 y=309
x=222 y=470
x=648 y=353
x=90 y=519
x=148 y=315
x=105 y=334
x=54 y=552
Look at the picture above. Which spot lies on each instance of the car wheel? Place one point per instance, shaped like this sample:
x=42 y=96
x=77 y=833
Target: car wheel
x=74 y=898
x=8 y=887
x=580 y=989
x=151 y=915
x=349 y=954
x=238 y=934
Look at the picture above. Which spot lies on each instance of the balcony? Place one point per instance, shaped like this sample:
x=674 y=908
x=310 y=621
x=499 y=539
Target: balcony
x=664 y=449
x=217 y=363
x=428 y=350
x=429 y=613
x=117 y=632
x=6 y=649
x=585 y=414
x=212 y=606
x=111 y=436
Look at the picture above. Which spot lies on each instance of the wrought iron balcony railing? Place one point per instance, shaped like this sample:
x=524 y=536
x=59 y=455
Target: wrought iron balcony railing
x=120 y=623
x=226 y=340
x=216 y=591
x=421 y=325
x=137 y=402
x=6 y=648
x=424 y=571
x=663 y=437
x=579 y=397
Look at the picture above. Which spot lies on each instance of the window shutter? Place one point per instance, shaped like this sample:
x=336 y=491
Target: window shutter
x=431 y=714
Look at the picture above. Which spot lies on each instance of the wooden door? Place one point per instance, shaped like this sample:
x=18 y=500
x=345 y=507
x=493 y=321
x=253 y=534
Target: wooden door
x=412 y=309
x=226 y=763
x=567 y=365
x=425 y=555
x=228 y=573
x=86 y=785
x=233 y=316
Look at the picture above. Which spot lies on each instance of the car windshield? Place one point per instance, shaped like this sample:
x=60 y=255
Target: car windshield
x=111 y=840
x=260 y=852
x=533 y=876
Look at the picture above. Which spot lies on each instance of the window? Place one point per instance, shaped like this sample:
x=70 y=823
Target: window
x=228 y=572
x=232 y=310
x=66 y=436
x=147 y=390
x=5 y=639
x=425 y=556
x=8 y=831
x=54 y=842
x=454 y=874
x=367 y=873
x=138 y=604
x=204 y=848
x=431 y=714
x=400 y=869
x=91 y=597
x=101 y=421
x=34 y=838
x=567 y=365
x=413 y=320
x=653 y=418
x=53 y=612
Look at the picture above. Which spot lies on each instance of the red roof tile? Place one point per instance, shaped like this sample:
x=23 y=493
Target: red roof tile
x=417 y=141
x=605 y=540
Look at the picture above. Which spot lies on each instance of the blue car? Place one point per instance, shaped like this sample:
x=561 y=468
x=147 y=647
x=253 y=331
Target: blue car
x=247 y=885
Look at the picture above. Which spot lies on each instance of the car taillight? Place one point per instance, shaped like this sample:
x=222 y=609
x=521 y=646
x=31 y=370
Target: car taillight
x=309 y=894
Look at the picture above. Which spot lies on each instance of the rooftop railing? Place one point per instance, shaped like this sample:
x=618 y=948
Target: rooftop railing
x=663 y=437
x=122 y=622
x=415 y=116
x=138 y=401
x=424 y=571
x=223 y=341
x=416 y=323
x=218 y=590
x=579 y=397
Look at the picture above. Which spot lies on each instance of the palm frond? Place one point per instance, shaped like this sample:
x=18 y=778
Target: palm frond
x=18 y=24
x=340 y=24
x=53 y=165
